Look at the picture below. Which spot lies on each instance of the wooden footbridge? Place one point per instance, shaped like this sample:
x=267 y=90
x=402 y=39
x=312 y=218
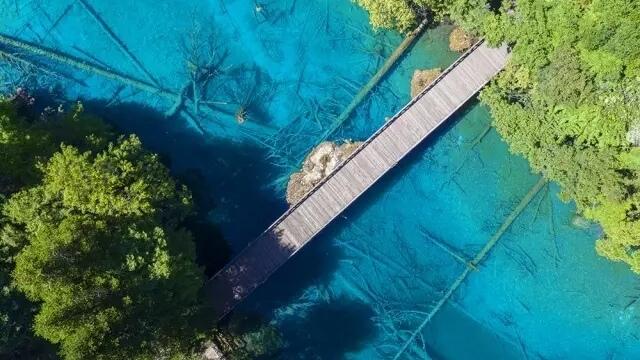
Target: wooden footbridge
x=375 y=157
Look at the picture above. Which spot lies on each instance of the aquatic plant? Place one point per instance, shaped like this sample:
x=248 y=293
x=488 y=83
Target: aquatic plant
x=422 y=78
x=459 y=40
x=241 y=115
x=260 y=11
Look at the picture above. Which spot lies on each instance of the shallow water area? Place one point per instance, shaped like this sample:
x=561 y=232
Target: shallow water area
x=542 y=292
x=364 y=288
x=289 y=67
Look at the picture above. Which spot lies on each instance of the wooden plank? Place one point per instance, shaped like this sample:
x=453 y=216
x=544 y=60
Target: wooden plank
x=371 y=161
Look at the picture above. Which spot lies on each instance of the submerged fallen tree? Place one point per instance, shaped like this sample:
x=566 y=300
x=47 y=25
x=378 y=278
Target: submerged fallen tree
x=86 y=66
x=376 y=78
x=116 y=40
x=473 y=264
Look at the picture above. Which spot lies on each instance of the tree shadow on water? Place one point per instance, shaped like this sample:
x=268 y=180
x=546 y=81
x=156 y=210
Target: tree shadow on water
x=310 y=269
x=311 y=265
x=330 y=330
x=225 y=178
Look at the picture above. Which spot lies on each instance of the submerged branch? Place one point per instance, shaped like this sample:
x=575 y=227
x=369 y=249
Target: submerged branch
x=86 y=66
x=116 y=40
x=377 y=77
x=475 y=261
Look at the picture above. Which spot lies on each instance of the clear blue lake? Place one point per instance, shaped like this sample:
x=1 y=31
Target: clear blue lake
x=364 y=287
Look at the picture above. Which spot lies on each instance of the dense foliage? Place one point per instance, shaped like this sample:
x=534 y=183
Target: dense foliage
x=93 y=240
x=16 y=312
x=94 y=254
x=27 y=140
x=104 y=255
x=568 y=100
x=403 y=15
x=23 y=144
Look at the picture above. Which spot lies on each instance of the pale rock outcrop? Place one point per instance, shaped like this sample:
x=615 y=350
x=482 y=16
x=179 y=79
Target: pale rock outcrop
x=579 y=222
x=211 y=352
x=320 y=162
x=422 y=78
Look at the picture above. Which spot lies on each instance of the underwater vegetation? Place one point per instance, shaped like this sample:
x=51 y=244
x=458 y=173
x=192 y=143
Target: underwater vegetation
x=233 y=95
x=579 y=87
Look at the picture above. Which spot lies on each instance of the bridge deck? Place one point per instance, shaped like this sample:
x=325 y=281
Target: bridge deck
x=380 y=153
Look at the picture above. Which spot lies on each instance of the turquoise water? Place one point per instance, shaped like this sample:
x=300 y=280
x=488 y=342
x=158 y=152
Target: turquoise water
x=362 y=289
x=299 y=65
x=370 y=279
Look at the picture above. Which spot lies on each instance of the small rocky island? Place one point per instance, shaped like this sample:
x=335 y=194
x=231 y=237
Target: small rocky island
x=320 y=162
x=459 y=40
x=422 y=78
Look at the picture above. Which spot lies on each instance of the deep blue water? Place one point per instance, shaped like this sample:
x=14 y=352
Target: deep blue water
x=362 y=289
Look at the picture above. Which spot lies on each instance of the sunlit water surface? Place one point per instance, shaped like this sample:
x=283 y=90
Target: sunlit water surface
x=364 y=287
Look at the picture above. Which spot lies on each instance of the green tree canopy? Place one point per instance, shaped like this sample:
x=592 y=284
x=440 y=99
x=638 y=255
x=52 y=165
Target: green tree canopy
x=16 y=312
x=105 y=256
x=91 y=231
x=404 y=15
x=568 y=101
x=25 y=142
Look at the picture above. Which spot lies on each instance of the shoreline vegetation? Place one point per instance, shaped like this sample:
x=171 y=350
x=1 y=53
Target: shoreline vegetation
x=567 y=101
x=98 y=238
x=97 y=247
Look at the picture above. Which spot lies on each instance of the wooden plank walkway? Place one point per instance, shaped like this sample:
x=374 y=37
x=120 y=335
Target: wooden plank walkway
x=375 y=157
